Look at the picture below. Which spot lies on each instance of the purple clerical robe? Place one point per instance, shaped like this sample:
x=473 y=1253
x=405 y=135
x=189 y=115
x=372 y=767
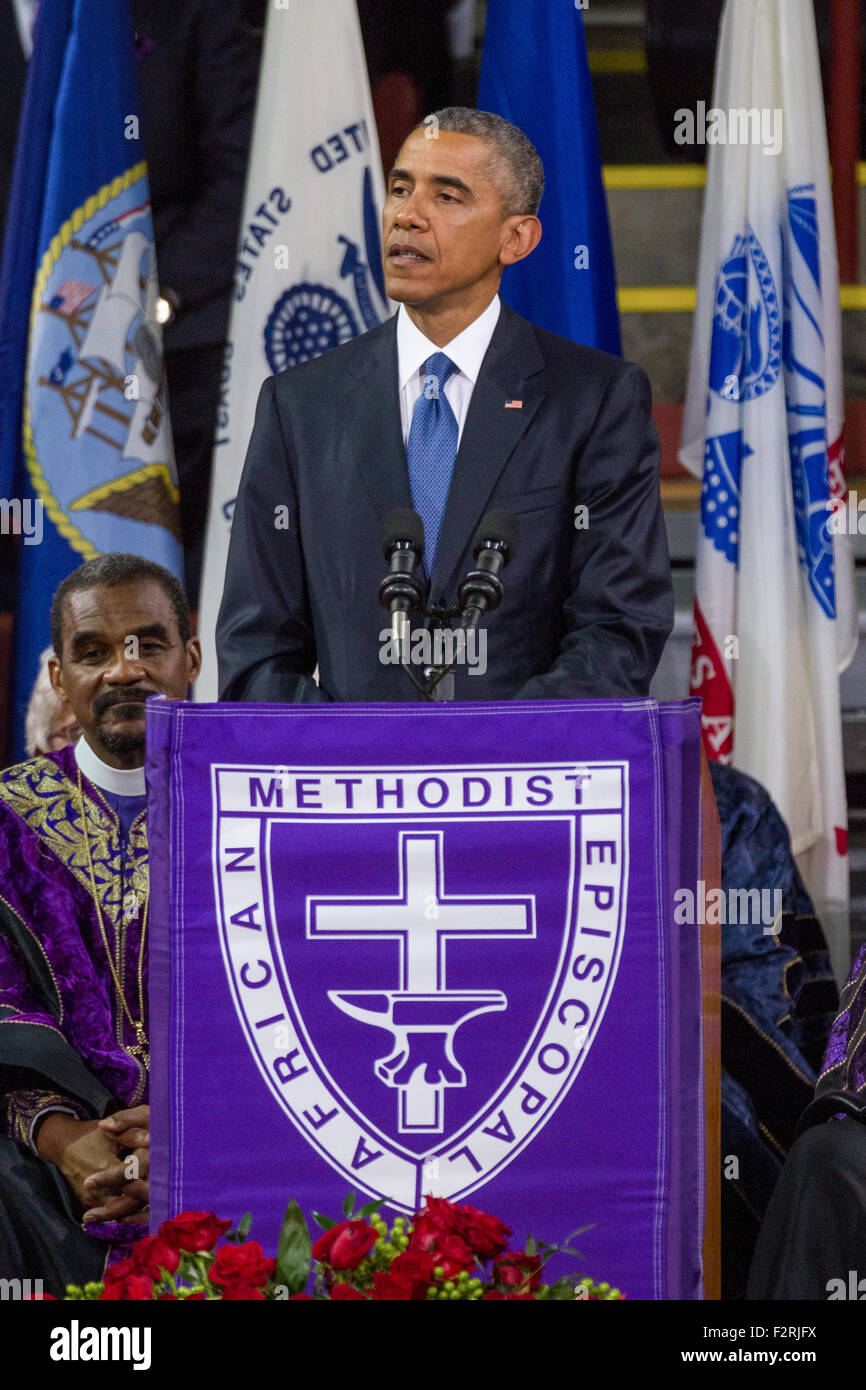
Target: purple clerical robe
x=64 y=1036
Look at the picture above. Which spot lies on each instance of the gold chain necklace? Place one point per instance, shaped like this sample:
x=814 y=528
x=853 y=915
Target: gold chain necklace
x=140 y=1050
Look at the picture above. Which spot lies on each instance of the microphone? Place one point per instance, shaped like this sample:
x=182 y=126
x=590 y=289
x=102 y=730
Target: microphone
x=402 y=591
x=493 y=546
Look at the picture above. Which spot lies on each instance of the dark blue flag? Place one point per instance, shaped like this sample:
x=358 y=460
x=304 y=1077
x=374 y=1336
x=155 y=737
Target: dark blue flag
x=86 y=457
x=535 y=72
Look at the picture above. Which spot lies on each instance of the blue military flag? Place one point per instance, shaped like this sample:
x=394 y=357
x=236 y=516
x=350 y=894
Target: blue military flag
x=535 y=72
x=85 y=440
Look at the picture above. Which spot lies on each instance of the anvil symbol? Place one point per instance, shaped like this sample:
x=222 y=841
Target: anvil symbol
x=423 y=1060
x=422 y=1014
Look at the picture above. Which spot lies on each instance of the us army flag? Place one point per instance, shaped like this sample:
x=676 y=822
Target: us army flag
x=309 y=273
x=775 y=619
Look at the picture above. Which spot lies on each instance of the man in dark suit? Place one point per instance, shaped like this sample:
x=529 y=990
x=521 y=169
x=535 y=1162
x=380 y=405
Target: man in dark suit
x=196 y=68
x=557 y=434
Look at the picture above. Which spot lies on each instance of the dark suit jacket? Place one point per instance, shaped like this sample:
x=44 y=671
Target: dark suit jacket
x=586 y=611
x=197 y=68
x=11 y=97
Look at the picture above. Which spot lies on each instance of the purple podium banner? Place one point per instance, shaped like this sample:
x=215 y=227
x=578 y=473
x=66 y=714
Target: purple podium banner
x=431 y=949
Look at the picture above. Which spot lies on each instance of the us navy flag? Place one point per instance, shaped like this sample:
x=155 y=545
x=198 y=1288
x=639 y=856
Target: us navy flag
x=85 y=441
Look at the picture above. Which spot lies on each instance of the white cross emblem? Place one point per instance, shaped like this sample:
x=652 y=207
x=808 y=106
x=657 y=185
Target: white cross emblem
x=422 y=1012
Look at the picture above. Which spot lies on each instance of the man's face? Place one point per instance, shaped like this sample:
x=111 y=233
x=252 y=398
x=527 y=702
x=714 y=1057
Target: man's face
x=120 y=645
x=442 y=224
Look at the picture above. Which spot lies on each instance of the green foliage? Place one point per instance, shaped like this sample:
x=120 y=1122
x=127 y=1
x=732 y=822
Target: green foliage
x=294 y=1250
x=370 y=1208
x=239 y=1236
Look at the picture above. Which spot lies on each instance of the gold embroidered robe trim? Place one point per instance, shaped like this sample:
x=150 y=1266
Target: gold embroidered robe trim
x=47 y=801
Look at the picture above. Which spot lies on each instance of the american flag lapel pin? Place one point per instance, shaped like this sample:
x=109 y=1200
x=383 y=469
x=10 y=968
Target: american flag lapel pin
x=514 y=405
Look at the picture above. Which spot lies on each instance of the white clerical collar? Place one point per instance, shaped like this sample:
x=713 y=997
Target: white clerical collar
x=466 y=350
x=120 y=781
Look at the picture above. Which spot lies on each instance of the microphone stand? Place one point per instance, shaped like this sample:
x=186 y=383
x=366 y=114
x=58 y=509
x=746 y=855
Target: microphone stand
x=439 y=672
x=480 y=592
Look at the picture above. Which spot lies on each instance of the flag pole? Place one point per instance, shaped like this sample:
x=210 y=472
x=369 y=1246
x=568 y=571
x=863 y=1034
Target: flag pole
x=844 y=130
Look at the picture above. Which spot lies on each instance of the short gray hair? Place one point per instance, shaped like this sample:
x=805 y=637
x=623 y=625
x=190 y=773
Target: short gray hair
x=517 y=166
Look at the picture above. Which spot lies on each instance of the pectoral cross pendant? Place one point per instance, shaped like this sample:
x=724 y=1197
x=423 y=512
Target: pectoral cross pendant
x=140 y=1049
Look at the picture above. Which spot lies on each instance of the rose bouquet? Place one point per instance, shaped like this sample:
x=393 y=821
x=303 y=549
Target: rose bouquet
x=444 y=1253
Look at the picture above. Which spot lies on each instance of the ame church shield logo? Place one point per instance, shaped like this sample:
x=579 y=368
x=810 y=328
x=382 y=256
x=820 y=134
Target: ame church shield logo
x=421 y=957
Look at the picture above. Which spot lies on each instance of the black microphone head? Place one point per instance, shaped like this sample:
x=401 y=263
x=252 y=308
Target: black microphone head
x=498 y=527
x=402 y=525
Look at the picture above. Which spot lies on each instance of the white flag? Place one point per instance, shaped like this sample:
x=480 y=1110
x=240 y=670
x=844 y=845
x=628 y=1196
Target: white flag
x=775 y=612
x=309 y=273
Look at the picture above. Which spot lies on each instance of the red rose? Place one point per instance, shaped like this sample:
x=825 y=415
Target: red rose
x=453 y=1254
x=242 y=1292
x=485 y=1235
x=300 y=1298
x=40 y=1298
x=152 y=1254
x=416 y=1265
x=241 y=1264
x=519 y=1271
x=449 y=1251
x=442 y=1216
x=344 y=1293
x=345 y=1245
x=116 y=1273
x=390 y=1288
x=135 y=1288
x=193 y=1230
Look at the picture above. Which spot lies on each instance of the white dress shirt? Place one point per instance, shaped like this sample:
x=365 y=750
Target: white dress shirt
x=466 y=351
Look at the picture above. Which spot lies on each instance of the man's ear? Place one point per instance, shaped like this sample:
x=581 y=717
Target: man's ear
x=524 y=234
x=193 y=653
x=55 y=675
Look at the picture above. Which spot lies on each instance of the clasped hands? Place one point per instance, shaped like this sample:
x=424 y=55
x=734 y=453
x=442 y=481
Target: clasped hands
x=106 y=1162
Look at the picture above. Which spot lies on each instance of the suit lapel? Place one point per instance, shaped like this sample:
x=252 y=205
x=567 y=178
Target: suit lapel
x=371 y=402
x=511 y=370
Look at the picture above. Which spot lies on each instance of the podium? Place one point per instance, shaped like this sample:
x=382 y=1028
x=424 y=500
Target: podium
x=411 y=949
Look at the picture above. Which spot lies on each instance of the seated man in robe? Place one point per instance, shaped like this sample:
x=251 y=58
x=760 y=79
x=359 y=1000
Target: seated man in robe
x=812 y=1244
x=779 y=999
x=73 y=931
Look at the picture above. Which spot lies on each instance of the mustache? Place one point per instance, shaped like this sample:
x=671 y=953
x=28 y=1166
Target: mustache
x=134 y=695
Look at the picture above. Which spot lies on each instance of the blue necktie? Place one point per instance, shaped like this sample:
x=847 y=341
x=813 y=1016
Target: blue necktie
x=431 y=450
